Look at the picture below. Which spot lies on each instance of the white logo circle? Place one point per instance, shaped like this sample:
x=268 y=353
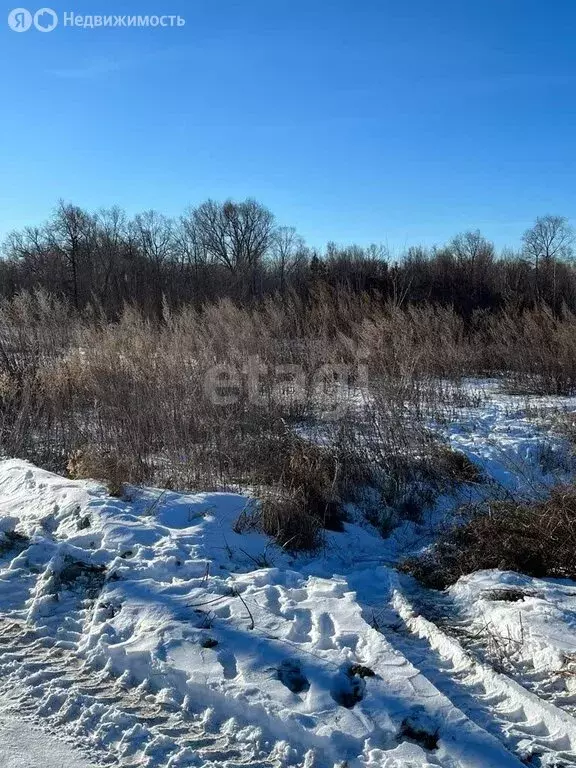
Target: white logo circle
x=45 y=20
x=20 y=20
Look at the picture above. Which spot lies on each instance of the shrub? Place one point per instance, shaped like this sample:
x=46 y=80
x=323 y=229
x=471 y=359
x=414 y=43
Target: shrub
x=455 y=466
x=283 y=515
x=98 y=464
x=534 y=538
x=316 y=474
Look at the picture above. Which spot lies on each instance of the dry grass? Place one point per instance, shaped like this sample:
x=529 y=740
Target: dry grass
x=536 y=350
x=100 y=464
x=132 y=396
x=538 y=539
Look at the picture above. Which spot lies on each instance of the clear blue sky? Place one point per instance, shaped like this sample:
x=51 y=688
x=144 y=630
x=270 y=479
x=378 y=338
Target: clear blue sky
x=369 y=121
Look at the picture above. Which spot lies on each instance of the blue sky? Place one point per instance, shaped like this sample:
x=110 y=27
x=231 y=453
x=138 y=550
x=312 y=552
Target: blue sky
x=370 y=121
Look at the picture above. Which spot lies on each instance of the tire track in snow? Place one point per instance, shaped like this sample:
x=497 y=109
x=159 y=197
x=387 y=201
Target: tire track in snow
x=536 y=731
x=44 y=677
x=121 y=725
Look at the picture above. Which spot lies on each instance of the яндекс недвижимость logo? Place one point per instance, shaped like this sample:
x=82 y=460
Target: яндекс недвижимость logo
x=21 y=20
x=46 y=19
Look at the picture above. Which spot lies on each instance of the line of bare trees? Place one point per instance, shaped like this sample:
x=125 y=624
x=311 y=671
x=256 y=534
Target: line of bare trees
x=237 y=250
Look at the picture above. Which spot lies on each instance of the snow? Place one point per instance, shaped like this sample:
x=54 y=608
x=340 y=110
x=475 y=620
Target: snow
x=526 y=626
x=514 y=449
x=150 y=631
x=22 y=746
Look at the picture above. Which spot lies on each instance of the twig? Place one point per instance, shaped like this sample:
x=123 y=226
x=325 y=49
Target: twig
x=237 y=594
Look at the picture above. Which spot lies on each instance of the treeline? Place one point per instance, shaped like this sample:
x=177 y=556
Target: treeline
x=238 y=251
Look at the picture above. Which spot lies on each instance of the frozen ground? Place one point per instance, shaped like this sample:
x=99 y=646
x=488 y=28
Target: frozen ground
x=149 y=633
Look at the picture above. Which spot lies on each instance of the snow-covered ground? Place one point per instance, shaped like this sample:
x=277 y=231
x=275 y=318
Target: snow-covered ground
x=23 y=746
x=509 y=437
x=148 y=632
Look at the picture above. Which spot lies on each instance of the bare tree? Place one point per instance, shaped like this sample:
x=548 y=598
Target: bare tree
x=472 y=247
x=474 y=255
x=192 y=253
x=550 y=240
x=29 y=250
x=236 y=235
x=71 y=234
x=111 y=245
x=288 y=252
x=153 y=234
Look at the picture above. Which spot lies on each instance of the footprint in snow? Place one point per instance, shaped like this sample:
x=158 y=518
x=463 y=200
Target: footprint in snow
x=301 y=626
x=290 y=674
x=272 y=595
x=324 y=632
x=228 y=663
x=421 y=728
x=349 y=686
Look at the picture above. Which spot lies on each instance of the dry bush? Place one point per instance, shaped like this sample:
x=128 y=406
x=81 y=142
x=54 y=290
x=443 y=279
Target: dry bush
x=323 y=476
x=20 y=413
x=415 y=344
x=538 y=539
x=303 y=488
x=398 y=460
x=560 y=422
x=33 y=327
x=284 y=516
x=99 y=464
x=455 y=466
x=35 y=330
